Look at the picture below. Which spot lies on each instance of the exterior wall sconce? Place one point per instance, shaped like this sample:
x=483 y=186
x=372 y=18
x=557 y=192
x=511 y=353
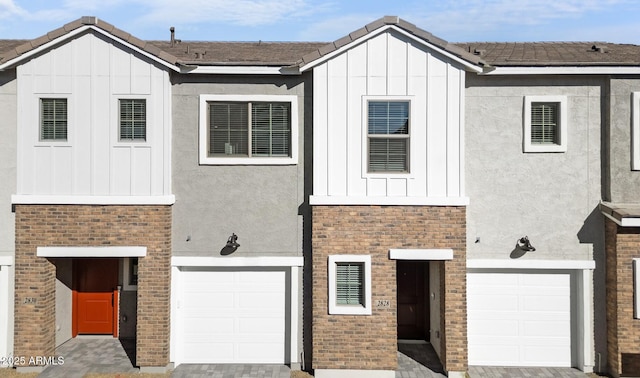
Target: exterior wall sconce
x=231 y=246
x=524 y=244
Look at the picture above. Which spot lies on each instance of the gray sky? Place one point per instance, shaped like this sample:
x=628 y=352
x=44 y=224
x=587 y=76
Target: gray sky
x=326 y=20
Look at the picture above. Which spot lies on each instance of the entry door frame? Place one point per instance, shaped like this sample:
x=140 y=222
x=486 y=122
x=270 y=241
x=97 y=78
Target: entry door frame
x=75 y=300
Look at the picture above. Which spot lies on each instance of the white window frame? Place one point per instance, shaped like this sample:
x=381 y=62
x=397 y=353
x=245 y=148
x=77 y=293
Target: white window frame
x=338 y=309
x=535 y=147
x=635 y=131
x=204 y=157
x=636 y=288
x=365 y=137
x=146 y=120
x=115 y=113
x=53 y=142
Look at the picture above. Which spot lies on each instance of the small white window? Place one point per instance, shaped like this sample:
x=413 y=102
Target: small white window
x=635 y=131
x=350 y=284
x=246 y=130
x=53 y=119
x=545 y=124
x=636 y=288
x=133 y=120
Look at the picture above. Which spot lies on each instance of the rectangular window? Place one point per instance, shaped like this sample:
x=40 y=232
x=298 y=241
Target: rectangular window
x=388 y=136
x=250 y=129
x=133 y=120
x=350 y=284
x=545 y=124
x=53 y=119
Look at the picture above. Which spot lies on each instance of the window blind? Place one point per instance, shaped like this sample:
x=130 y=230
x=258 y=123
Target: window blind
x=349 y=283
x=388 y=128
x=228 y=129
x=53 y=119
x=270 y=129
x=133 y=119
x=261 y=129
x=544 y=123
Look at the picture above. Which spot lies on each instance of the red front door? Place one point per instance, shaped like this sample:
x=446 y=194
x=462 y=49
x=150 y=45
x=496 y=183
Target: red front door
x=95 y=296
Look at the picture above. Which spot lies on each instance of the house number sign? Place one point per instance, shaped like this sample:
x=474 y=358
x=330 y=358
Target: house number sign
x=383 y=303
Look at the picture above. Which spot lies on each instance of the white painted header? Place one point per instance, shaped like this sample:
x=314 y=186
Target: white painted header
x=204 y=261
x=421 y=254
x=6 y=260
x=106 y=251
x=389 y=65
x=530 y=264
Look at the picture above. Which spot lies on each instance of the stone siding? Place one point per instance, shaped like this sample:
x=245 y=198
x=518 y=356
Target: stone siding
x=623 y=331
x=369 y=342
x=91 y=225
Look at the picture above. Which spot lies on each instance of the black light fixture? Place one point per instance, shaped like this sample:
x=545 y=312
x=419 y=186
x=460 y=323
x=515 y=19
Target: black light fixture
x=524 y=244
x=231 y=246
x=231 y=242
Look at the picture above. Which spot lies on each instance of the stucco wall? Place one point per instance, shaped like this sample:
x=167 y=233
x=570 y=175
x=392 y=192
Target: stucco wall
x=260 y=203
x=621 y=183
x=549 y=197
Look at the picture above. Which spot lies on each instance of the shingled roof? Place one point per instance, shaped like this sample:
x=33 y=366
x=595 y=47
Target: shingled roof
x=555 y=53
x=197 y=53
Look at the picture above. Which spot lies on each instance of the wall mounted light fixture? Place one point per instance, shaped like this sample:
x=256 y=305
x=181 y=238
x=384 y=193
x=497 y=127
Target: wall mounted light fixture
x=524 y=244
x=231 y=245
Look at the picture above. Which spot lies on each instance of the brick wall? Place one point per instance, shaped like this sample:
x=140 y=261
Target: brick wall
x=88 y=225
x=370 y=342
x=623 y=331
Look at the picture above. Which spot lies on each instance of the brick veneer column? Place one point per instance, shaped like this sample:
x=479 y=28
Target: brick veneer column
x=92 y=225
x=623 y=331
x=370 y=342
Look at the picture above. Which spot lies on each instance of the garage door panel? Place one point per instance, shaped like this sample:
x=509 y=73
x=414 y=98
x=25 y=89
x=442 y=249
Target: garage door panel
x=525 y=323
x=490 y=327
x=232 y=316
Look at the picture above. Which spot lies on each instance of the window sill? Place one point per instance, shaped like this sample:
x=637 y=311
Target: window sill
x=528 y=147
x=247 y=161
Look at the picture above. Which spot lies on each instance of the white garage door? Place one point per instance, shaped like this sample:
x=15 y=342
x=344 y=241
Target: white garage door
x=231 y=316
x=519 y=319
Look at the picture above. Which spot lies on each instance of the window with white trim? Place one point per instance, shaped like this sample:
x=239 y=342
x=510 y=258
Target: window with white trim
x=350 y=284
x=53 y=119
x=388 y=136
x=635 y=131
x=248 y=129
x=133 y=120
x=545 y=124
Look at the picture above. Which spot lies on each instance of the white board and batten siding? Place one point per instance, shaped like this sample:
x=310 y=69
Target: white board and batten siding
x=389 y=66
x=93 y=73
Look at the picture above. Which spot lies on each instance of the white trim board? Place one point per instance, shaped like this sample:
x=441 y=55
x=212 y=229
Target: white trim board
x=400 y=201
x=6 y=260
x=421 y=254
x=530 y=264
x=564 y=70
x=108 y=251
x=26 y=199
x=237 y=261
x=624 y=222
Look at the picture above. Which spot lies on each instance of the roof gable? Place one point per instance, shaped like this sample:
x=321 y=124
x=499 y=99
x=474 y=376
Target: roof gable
x=470 y=61
x=18 y=51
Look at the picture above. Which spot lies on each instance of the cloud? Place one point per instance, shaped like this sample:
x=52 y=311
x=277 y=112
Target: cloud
x=8 y=8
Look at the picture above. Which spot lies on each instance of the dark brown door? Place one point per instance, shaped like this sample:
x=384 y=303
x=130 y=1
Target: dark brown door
x=413 y=304
x=95 y=296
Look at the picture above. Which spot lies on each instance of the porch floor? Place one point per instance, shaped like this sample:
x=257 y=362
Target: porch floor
x=421 y=361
